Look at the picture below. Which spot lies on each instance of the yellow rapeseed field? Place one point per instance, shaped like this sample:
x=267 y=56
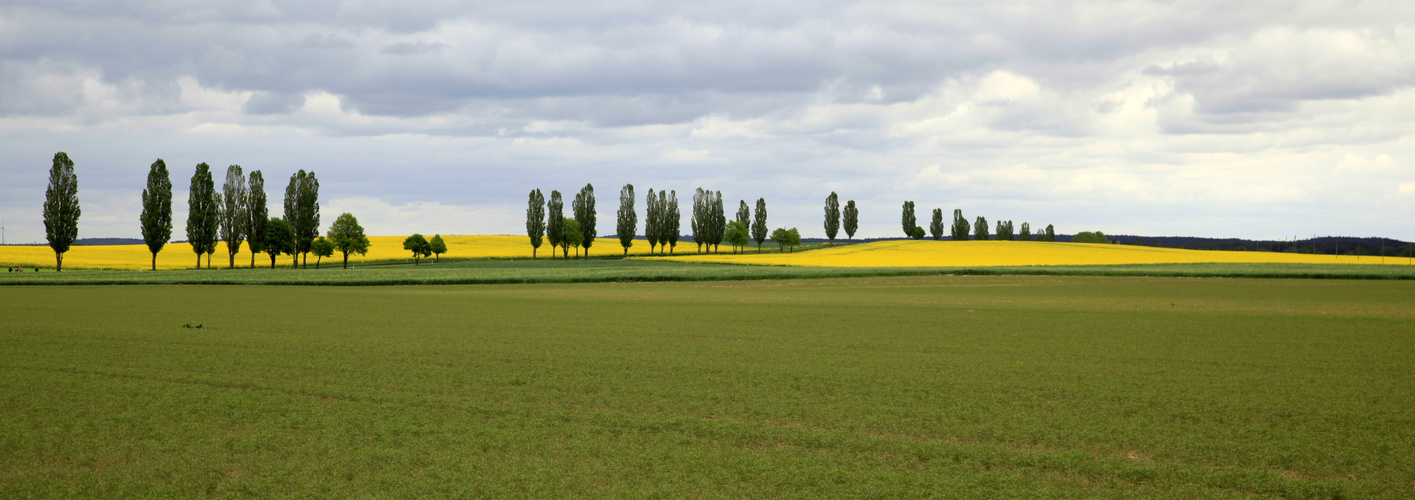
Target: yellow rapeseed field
x=381 y=248
x=1009 y=253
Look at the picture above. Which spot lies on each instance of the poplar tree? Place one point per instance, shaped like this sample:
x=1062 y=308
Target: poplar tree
x=233 y=213
x=744 y=214
x=1051 y=233
x=759 y=224
x=907 y=220
x=348 y=237
x=555 y=218
x=1004 y=230
x=302 y=211
x=257 y=214
x=719 y=221
x=628 y=220
x=652 y=220
x=1026 y=233
x=157 y=209
x=852 y=220
x=535 y=220
x=202 y=212
x=585 y=215
x=61 y=208
x=832 y=217
x=700 y=220
x=961 y=228
x=980 y=229
x=936 y=225
x=672 y=219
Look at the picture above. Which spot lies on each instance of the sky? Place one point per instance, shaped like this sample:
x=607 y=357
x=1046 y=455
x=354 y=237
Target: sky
x=1257 y=119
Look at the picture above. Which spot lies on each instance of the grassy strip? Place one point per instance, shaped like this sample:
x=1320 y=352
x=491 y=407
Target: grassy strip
x=495 y=271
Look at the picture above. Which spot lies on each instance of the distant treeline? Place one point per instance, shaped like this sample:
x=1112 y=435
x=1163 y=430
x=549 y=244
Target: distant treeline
x=1327 y=245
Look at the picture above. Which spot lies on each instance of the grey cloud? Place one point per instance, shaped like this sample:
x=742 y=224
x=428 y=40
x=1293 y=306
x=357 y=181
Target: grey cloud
x=274 y=103
x=413 y=48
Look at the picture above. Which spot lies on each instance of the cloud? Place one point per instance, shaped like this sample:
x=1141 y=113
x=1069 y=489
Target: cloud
x=274 y=103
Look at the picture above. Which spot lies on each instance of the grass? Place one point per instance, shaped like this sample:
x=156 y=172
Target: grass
x=492 y=271
x=957 y=386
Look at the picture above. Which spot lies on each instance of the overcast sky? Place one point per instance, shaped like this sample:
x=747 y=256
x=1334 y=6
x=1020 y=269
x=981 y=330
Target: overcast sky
x=1258 y=119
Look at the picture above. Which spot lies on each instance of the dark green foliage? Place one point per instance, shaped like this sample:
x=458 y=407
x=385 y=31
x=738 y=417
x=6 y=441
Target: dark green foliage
x=584 y=209
x=744 y=214
x=907 y=219
x=718 y=225
x=437 y=246
x=961 y=228
x=980 y=229
x=279 y=239
x=852 y=219
x=672 y=220
x=61 y=208
x=348 y=237
x=535 y=221
x=936 y=224
x=653 y=220
x=257 y=214
x=157 y=209
x=832 y=216
x=1004 y=230
x=1026 y=234
x=233 y=212
x=321 y=247
x=302 y=209
x=917 y=233
x=1050 y=233
x=628 y=220
x=759 y=232
x=573 y=235
x=419 y=246
x=1090 y=237
x=737 y=235
x=555 y=222
x=203 y=212
x=786 y=238
x=701 y=205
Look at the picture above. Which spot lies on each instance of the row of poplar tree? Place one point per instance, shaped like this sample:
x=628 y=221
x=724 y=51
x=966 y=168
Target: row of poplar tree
x=236 y=214
x=546 y=222
x=961 y=229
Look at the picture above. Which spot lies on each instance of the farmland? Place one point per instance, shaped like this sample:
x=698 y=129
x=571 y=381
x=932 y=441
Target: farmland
x=884 y=386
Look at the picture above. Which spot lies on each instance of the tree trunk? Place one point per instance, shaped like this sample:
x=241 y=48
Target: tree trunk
x=208 y=261
x=305 y=262
x=58 y=262
x=272 y=261
x=296 y=263
x=346 y=260
x=154 y=261
x=198 y=261
x=316 y=261
x=232 y=256
x=252 y=260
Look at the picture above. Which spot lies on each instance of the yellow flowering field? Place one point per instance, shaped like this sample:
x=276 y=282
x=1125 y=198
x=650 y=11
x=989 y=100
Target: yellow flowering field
x=1009 y=253
x=381 y=248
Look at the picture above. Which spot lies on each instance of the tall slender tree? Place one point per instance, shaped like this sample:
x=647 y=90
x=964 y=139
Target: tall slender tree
x=907 y=219
x=744 y=214
x=832 y=217
x=1051 y=233
x=672 y=219
x=936 y=225
x=555 y=221
x=628 y=219
x=852 y=221
x=302 y=211
x=257 y=214
x=652 y=220
x=202 y=220
x=759 y=224
x=980 y=229
x=535 y=221
x=61 y=208
x=1004 y=230
x=585 y=215
x=961 y=227
x=157 y=209
x=700 y=218
x=719 y=221
x=292 y=213
x=233 y=212
x=1026 y=233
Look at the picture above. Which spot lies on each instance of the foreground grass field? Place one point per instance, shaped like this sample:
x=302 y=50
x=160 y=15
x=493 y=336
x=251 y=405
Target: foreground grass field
x=980 y=386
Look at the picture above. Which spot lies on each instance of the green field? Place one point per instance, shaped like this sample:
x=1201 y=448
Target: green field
x=906 y=386
x=495 y=271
